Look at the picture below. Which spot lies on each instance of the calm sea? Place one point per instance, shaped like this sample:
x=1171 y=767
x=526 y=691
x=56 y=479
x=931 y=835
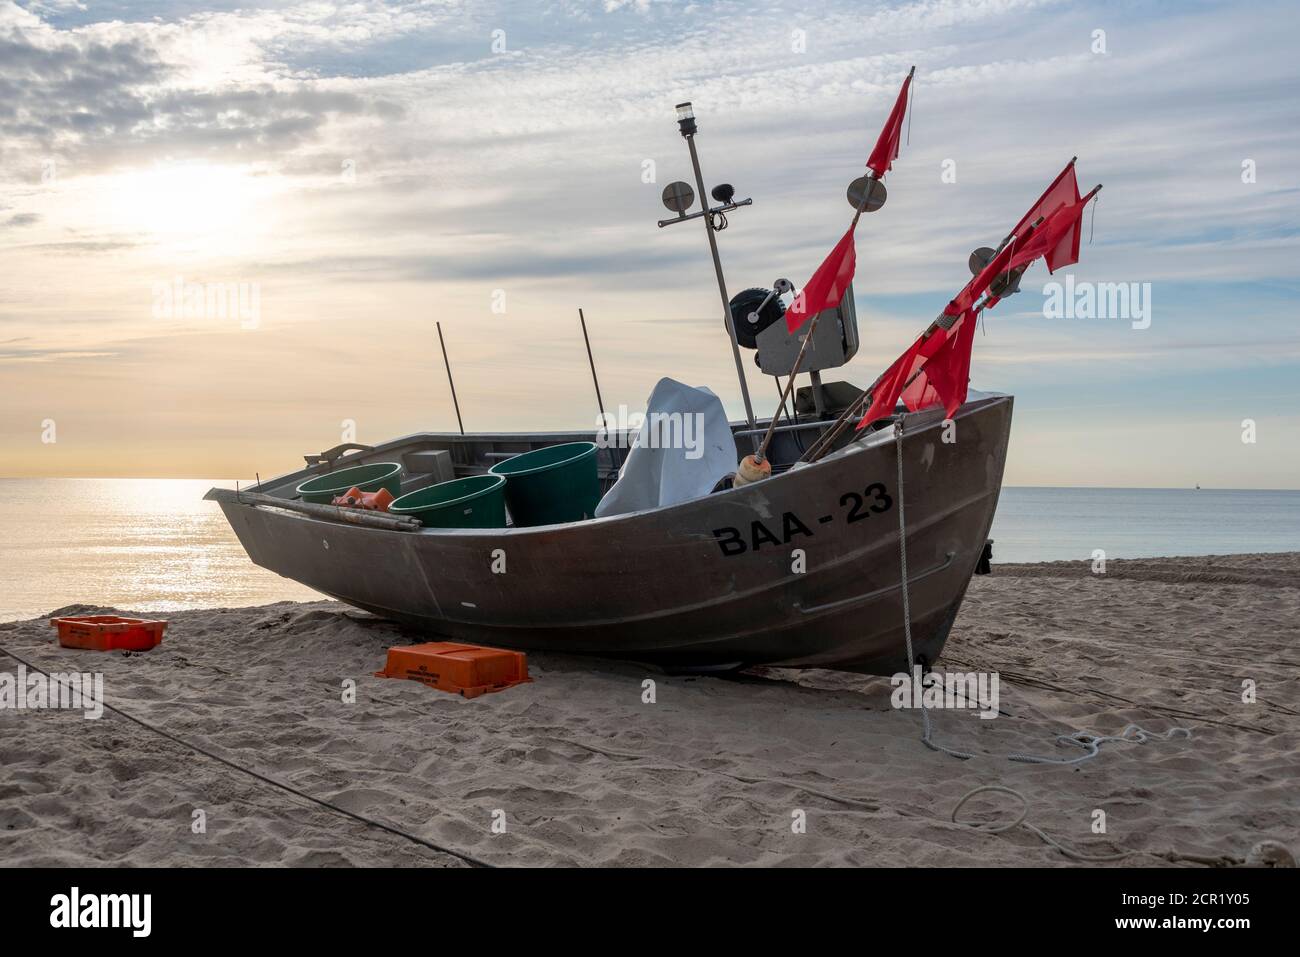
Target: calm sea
x=154 y=545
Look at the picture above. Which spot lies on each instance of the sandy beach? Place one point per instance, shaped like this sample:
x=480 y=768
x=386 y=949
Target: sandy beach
x=584 y=772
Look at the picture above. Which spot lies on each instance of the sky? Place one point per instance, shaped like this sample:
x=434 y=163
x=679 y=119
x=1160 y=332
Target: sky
x=351 y=174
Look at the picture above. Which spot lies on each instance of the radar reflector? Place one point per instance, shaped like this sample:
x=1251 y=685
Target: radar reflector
x=872 y=188
x=979 y=259
x=678 y=197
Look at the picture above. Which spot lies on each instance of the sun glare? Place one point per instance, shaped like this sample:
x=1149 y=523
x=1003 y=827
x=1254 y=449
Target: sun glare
x=184 y=200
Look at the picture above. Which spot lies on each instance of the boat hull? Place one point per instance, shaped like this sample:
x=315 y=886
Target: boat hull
x=801 y=570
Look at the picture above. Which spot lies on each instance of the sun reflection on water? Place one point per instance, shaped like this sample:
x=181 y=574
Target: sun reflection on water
x=141 y=544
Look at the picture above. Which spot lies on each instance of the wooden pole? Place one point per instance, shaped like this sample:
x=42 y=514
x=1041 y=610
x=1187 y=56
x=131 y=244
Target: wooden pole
x=332 y=513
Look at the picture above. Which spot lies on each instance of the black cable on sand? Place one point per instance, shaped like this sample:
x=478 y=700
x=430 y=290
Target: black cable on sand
x=289 y=788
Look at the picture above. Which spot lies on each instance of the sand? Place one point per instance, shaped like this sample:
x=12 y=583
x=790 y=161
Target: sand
x=583 y=772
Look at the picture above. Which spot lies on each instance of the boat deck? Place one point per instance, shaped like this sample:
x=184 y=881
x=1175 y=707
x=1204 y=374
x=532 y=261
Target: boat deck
x=476 y=453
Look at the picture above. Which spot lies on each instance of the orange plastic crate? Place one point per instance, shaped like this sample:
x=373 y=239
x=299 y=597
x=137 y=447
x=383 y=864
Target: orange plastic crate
x=109 y=633
x=469 y=670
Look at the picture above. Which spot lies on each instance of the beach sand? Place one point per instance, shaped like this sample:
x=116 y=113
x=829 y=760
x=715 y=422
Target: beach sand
x=713 y=773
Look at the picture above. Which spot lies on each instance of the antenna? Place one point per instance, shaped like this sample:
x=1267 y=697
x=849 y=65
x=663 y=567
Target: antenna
x=678 y=197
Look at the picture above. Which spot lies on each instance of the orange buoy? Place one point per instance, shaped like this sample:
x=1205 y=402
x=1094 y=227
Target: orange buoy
x=750 y=471
x=373 y=501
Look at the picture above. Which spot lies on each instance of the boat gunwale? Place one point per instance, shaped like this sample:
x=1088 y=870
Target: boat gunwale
x=860 y=443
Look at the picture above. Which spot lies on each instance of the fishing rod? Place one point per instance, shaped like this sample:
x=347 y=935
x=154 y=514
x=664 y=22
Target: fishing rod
x=591 y=362
x=450 y=380
x=600 y=403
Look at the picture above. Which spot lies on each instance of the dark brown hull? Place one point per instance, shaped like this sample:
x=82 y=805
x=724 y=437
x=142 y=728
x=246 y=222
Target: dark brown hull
x=708 y=584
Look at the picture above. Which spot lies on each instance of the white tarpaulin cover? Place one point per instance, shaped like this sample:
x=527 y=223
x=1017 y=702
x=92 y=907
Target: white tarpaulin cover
x=684 y=446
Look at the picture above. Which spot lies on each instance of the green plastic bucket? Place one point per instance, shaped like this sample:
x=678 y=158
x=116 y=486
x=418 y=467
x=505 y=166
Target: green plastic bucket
x=475 y=502
x=551 y=485
x=369 y=478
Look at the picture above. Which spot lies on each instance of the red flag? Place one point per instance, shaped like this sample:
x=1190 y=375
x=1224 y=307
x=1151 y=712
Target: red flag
x=937 y=381
x=885 y=395
x=1064 y=190
x=941 y=365
x=985 y=278
x=921 y=394
x=886 y=151
x=1057 y=238
x=936 y=368
x=947 y=371
x=828 y=284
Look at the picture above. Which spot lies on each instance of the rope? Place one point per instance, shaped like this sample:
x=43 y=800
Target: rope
x=369 y=822
x=928 y=731
x=1090 y=743
x=990 y=827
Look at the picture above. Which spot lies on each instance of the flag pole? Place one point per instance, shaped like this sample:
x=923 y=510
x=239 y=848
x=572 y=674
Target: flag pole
x=812 y=327
x=873 y=176
x=872 y=179
x=860 y=405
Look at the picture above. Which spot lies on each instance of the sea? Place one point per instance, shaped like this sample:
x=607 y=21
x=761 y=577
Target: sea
x=153 y=545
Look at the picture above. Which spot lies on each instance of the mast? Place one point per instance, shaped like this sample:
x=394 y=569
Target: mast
x=678 y=197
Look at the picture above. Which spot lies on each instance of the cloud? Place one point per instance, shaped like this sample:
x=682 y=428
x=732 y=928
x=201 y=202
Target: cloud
x=404 y=169
x=114 y=94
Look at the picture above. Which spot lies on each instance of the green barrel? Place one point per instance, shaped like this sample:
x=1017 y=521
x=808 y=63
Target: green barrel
x=551 y=485
x=369 y=478
x=475 y=502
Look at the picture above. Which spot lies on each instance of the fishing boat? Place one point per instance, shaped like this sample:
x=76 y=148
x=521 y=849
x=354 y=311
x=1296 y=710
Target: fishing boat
x=809 y=564
x=703 y=585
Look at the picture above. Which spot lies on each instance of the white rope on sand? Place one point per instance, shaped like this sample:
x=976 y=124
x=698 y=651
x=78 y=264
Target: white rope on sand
x=1091 y=743
x=991 y=827
x=926 y=736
